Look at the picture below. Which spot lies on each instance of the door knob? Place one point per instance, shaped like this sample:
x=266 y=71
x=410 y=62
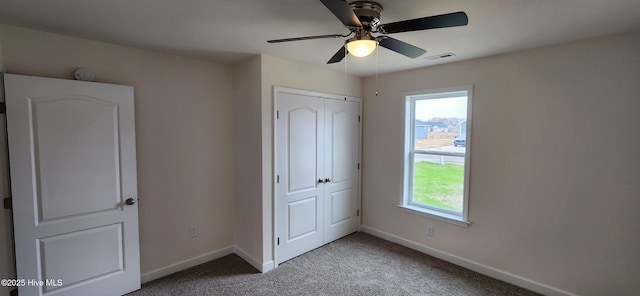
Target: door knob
x=130 y=201
x=320 y=181
x=327 y=180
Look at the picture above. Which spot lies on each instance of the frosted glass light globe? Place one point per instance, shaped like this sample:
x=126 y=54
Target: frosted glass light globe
x=361 y=48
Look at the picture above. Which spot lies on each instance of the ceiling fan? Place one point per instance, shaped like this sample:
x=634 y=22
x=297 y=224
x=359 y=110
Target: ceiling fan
x=362 y=18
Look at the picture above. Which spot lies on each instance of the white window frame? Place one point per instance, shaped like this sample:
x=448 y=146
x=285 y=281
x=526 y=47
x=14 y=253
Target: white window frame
x=406 y=203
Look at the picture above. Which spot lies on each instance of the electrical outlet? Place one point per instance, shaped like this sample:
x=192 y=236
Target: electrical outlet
x=429 y=230
x=193 y=231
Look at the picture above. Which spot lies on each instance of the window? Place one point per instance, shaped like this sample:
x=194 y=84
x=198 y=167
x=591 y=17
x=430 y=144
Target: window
x=437 y=145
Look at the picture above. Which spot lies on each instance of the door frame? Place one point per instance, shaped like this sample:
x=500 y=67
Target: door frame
x=286 y=90
x=7 y=256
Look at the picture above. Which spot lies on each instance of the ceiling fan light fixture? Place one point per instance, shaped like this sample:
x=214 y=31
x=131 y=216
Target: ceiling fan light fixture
x=361 y=47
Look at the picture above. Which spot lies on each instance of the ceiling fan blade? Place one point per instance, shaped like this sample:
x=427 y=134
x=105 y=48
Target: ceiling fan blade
x=401 y=47
x=306 y=38
x=343 y=11
x=430 y=22
x=338 y=56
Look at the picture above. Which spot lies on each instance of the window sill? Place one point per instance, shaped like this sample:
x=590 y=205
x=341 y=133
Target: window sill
x=435 y=215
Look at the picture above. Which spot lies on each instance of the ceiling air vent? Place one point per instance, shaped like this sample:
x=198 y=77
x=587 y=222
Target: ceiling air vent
x=440 y=56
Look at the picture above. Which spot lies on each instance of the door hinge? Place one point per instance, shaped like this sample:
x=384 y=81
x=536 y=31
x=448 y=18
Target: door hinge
x=8 y=203
x=277 y=114
x=358 y=118
x=358 y=165
x=3 y=108
x=278 y=241
x=277 y=178
x=358 y=213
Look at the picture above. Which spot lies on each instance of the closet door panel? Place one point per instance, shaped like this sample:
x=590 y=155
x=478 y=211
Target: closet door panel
x=299 y=195
x=341 y=168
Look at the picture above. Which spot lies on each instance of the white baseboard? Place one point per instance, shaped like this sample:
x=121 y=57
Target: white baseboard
x=472 y=265
x=182 y=265
x=262 y=267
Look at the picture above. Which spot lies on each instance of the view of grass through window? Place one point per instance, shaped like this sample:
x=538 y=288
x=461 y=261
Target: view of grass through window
x=439 y=185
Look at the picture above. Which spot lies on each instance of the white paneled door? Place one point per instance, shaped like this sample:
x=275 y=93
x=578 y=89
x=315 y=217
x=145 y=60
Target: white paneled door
x=300 y=200
x=73 y=177
x=317 y=171
x=341 y=167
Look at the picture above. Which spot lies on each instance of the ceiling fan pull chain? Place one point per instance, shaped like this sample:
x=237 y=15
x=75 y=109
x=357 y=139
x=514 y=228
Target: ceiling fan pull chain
x=376 y=70
x=346 y=57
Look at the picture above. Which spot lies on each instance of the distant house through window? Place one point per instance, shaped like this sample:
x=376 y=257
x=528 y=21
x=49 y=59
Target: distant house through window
x=437 y=145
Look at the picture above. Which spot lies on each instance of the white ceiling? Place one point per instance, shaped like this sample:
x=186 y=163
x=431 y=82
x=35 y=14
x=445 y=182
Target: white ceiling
x=231 y=30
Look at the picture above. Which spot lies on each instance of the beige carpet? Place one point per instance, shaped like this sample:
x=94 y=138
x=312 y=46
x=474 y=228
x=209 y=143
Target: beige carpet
x=359 y=264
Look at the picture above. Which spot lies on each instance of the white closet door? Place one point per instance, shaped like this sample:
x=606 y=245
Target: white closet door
x=73 y=178
x=299 y=198
x=341 y=156
x=316 y=166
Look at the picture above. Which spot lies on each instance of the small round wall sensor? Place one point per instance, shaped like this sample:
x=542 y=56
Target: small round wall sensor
x=84 y=74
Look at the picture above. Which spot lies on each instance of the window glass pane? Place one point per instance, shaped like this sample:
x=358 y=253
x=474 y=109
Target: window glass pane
x=438 y=181
x=440 y=124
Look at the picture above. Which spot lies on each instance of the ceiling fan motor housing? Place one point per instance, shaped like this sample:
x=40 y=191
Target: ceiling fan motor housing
x=368 y=12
